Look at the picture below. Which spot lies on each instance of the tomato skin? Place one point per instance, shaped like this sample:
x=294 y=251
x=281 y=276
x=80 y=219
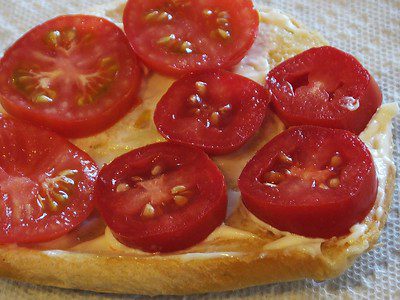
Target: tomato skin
x=64 y=116
x=29 y=157
x=173 y=229
x=245 y=99
x=76 y=129
x=188 y=23
x=340 y=75
x=300 y=208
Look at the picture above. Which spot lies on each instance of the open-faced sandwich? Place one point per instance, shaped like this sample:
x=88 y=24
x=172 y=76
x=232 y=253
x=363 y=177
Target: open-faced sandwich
x=206 y=146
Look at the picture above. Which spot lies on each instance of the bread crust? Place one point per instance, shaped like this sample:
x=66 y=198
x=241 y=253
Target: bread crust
x=177 y=274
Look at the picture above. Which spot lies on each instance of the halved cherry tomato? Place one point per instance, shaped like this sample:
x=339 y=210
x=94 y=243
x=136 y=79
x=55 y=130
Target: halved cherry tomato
x=75 y=74
x=214 y=110
x=312 y=181
x=180 y=36
x=163 y=197
x=46 y=183
x=324 y=87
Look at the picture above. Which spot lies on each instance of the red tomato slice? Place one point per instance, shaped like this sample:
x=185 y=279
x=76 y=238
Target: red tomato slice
x=181 y=36
x=312 y=181
x=214 y=110
x=46 y=184
x=163 y=197
x=324 y=87
x=74 y=74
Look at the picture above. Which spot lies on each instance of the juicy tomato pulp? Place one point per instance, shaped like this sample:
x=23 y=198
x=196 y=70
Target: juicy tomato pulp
x=74 y=74
x=214 y=110
x=163 y=197
x=311 y=181
x=180 y=36
x=324 y=87
x=46 y=184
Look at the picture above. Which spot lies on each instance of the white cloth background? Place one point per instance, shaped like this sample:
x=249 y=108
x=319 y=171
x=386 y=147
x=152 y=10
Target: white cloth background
x=369 y=29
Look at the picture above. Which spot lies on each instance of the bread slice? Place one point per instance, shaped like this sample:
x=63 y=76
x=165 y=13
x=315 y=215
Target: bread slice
x=243 y=252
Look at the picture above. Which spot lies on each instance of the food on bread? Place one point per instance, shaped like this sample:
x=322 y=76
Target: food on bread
x=215 y=110
x=163 y=197
x=244 y=251
x=313 y=181
x=59 y=75
x=46 y=183
x=181 y=36
x=340 y=91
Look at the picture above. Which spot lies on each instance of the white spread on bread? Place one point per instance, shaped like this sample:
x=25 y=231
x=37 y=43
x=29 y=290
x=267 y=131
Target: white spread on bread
x=300 y=243
x=279 y=38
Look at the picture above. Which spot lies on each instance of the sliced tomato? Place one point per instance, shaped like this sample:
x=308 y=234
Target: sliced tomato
x=324 y=87
x=180 y=36
x=74 y=74
x=46 y=184
x=214 y=110
x=161 y=198
x=312 y=181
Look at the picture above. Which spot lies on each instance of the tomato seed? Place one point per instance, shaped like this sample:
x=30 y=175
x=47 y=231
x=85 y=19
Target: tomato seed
x=178 y=189
x=70 y=35
x=166 y=39
x=43 y=99
x=207 y=12
x=225 y=34
x=122 y=187
x=181 y=200
x=195 y=99
x=336 y=161
x=53 y=37
x=201 y=87
x=164 y=16
x=148 y=211
x=185 y=47
x=222 y=22
x=151 y=15
x=273 y=177
x=223 y=14
x=323 y=186
x=156 y=171
x=285 y=158
x=334 y=182
x=214 y=118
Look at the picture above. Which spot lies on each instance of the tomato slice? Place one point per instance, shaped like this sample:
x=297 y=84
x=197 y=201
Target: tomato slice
x=312 y=181
x=217 y=111
x=46 y=184
x=324 y=87
x=75 y=74
x=161 y=198
x=180 y=36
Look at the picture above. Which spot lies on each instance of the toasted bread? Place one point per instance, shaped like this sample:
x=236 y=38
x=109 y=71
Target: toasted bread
x=241 y=253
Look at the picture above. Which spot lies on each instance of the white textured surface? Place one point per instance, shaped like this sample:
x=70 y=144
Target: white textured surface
x=370 y=29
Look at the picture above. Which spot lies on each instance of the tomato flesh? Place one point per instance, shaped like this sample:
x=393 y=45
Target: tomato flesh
x=324 y=87
x=76 y=75
x=217 y=111
x=312 y=181
x=180 y=36
x=46 y=184
x=161 y=198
